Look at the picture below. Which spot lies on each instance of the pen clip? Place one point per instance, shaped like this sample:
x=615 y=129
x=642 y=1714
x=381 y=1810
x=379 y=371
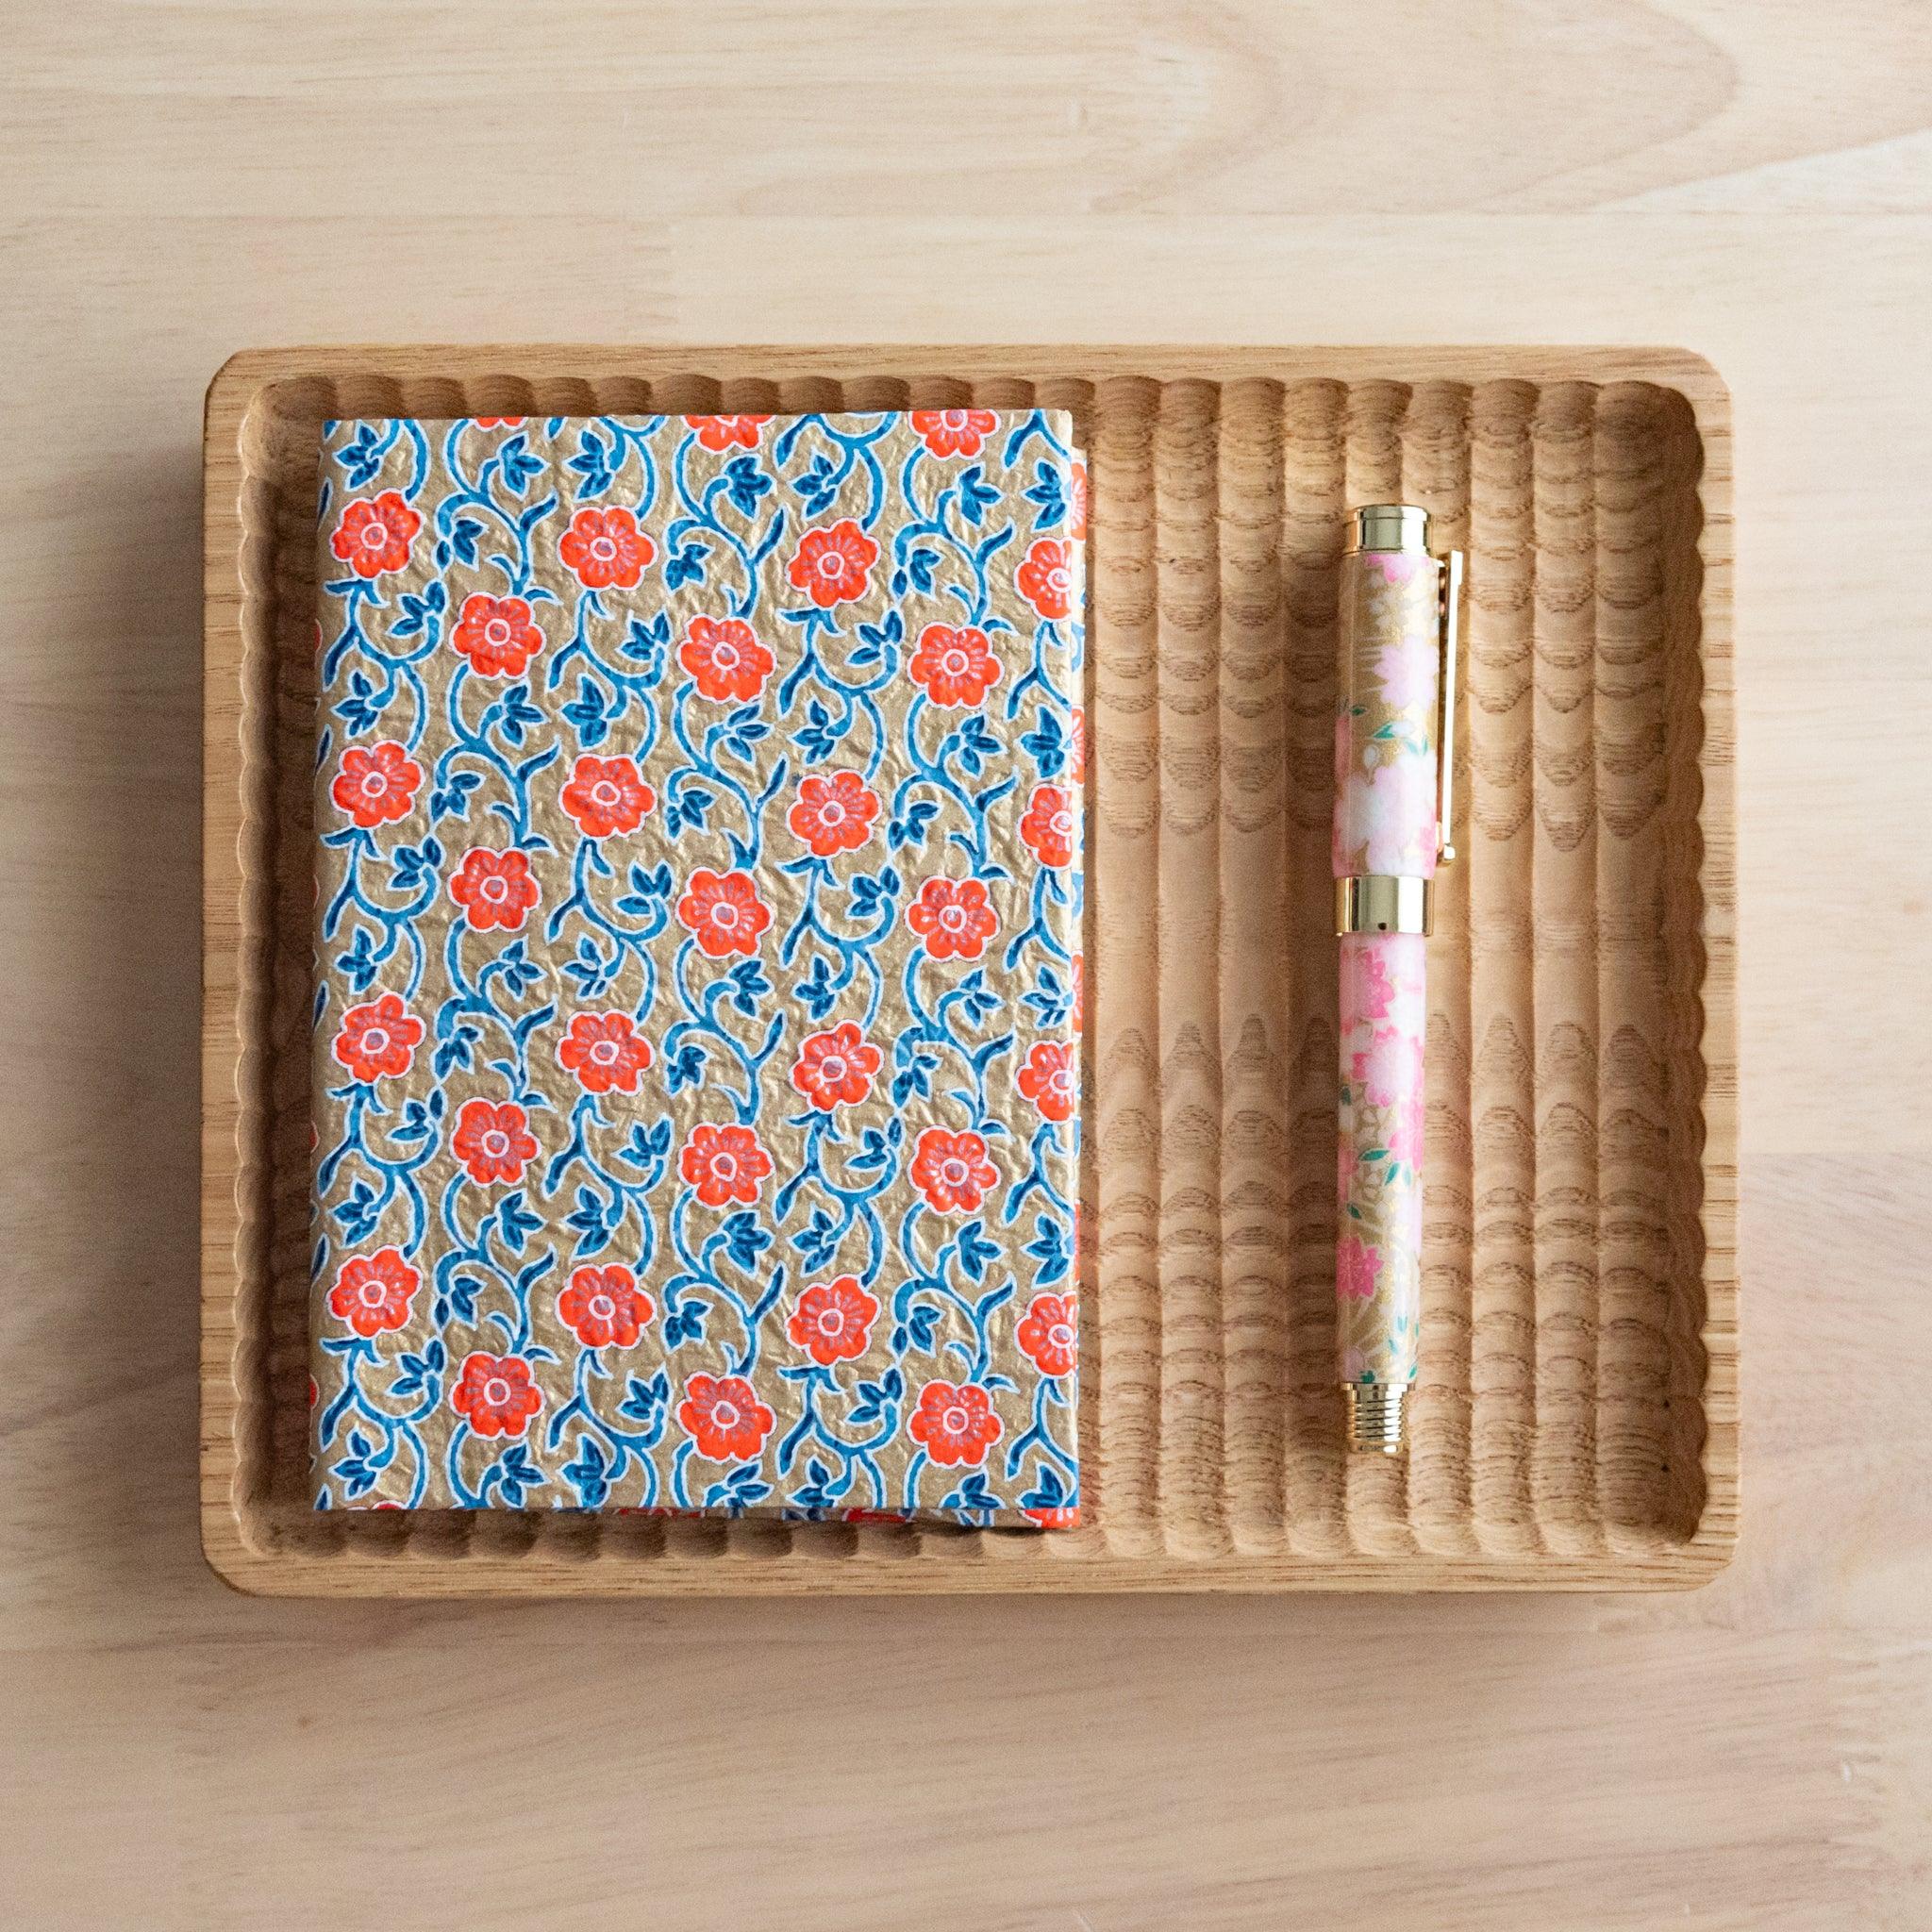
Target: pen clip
x=1450 y=621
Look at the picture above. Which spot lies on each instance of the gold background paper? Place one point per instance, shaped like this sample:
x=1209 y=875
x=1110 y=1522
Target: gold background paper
x=465 y=525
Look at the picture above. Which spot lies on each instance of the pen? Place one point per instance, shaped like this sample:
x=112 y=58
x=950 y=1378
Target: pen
x=1394 y=732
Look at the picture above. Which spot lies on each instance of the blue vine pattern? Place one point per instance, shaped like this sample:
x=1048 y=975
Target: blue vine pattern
x=698 y=976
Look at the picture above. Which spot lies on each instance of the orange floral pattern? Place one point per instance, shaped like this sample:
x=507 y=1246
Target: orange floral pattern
x=1046 y=579
x=1049 y=1332
x=832 y=1322
x=726 y=659
x=1049 y=827
x=836 y=1069
x=952 y=1172
x=606 y=795
x=954 y=918
x=955 y=1422
x=724 y=912
x=495 y=1395
x=723 y=1417
x=376 y=784
x=374 y=537
x=693 y=1057
x=956 y=667
x=605 y=1052
x=724 y=1164
x=605 y=1307
x=604 y=547
x=954 y=432
x=494 y=889
x=492 y=1142
x=1051 y=1079
x=728 y=432
x=378 y=1040
x=497 y=635
x=834 y=812
x=373 y=1291
x=834 y=566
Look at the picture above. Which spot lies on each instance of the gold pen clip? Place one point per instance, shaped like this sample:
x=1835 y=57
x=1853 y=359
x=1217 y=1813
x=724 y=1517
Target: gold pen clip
x=1450 y=619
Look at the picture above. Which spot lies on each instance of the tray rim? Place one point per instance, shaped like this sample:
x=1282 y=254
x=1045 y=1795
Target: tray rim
x=231 y=784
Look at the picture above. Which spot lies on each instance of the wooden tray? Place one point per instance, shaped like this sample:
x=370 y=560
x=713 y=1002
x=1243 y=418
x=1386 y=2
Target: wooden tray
x=1576 y=1419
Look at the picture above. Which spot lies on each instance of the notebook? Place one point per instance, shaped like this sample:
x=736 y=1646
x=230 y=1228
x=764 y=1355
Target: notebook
x=697 y=1014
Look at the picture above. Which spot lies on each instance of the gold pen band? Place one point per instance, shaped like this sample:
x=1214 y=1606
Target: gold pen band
x=1375 y=902
x=1375 y=1417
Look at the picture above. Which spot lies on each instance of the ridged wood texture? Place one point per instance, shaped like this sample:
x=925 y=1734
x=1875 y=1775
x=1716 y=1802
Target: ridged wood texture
x=1576 y=1420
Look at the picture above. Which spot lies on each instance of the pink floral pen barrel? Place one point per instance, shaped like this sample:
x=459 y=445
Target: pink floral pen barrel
x=1393 y=729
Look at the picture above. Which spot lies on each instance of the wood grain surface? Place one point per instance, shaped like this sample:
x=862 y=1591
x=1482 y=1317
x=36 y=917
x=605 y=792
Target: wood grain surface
x=181 y=179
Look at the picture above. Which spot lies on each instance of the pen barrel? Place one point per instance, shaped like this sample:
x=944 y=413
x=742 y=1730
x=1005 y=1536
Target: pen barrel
x=1378 y=1249
x=1385 y=843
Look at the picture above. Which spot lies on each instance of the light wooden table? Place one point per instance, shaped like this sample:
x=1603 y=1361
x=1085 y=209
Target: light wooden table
x=1752 y=181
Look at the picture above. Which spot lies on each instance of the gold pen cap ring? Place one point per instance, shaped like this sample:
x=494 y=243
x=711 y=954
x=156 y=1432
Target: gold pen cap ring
x=1388 y=526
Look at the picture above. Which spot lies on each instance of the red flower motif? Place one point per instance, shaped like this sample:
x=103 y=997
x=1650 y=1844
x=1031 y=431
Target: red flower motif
x=1045 y=577
x=833 y=1321
x=1358 y=1265
x=606 y=795
x=603 y=547
x=493 y=422
x=1076 y=745
x=496 y=635
x=606 y=1307
x=373 y=1292
x=834 y=812
x=833 y=566
x=952 y=916
x=1048 y=826
x=1050 y=1080
x=377 y=785
x=723 y=1415
x=835 y=1066
x=721 y=432
x=723 y=1164
x=955 y=1422
x=725 y=914
x=725 y=658
x=377 y=1038
x=605 y=1052
x=492 y=1142
x=1049 y=1332
x=494 y=889
x=495 y=1394
x=373 y=537
x=1076 y=504
x=1061 y=1517
x=1079 y=976
x=954 y=432
x=956 y=667
x=952 y=1171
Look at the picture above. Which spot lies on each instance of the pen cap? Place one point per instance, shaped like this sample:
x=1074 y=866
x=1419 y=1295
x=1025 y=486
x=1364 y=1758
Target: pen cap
x=1390 y=696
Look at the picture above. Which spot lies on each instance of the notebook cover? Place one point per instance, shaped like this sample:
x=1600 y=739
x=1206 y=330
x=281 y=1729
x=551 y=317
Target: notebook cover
x=697 y=989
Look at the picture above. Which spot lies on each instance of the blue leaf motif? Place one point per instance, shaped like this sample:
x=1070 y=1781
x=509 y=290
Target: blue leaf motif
x=976 y=1251
x=589 y=1474
x=976 y=496
x=687 y=565
x=519 y=466
x=589 y=714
